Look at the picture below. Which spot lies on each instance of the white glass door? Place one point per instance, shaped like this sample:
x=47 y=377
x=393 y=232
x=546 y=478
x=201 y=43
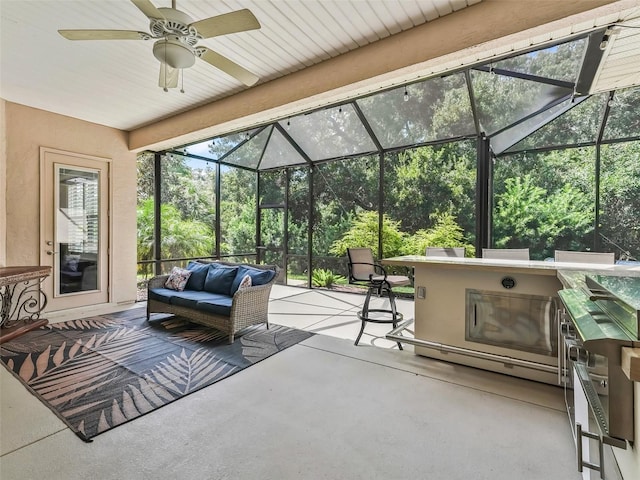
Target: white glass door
x=75 y=230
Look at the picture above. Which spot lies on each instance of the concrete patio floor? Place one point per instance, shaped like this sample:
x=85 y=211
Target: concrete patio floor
x=333 y=313
x=322 y=409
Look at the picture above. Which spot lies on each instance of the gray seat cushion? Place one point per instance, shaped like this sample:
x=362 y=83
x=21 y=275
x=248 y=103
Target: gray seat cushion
x=217 y=304
x=163 y=295
x=190 y=298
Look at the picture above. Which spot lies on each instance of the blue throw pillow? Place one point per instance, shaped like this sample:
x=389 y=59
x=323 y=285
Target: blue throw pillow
x=198 y=275
x=219 y=279
x=258 y=277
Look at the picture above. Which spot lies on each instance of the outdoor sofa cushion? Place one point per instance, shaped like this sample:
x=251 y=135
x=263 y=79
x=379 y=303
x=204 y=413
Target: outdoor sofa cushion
x=220 y=278
x=198 y=275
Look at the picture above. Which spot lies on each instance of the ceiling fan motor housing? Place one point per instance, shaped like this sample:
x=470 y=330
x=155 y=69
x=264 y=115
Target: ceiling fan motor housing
x=173 y=22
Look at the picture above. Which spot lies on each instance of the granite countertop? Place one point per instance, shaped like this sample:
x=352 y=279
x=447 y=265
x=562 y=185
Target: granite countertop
x=572 y=271
x=10 y=275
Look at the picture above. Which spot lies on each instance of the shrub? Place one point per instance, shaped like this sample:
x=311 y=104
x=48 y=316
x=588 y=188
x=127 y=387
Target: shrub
x=445 y=233
x=364 y=233
x=325 y=278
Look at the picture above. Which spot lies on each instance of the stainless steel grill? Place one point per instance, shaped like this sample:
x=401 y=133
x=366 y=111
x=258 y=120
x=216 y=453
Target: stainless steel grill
x=598 y=320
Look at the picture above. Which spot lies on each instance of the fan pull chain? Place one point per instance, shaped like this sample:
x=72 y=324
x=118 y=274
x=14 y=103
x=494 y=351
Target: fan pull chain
x=165 y=68
x=182 y=80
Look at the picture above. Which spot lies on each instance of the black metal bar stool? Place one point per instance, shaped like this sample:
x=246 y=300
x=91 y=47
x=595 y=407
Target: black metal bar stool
x=363 y=270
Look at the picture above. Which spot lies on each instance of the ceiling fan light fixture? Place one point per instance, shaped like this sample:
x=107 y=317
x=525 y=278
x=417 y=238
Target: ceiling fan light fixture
x=174 y=53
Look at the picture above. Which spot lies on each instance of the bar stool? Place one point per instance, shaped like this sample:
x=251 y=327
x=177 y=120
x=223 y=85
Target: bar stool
x=444 y=252
x=506 y=253
x=584 y=257
x=363 y=270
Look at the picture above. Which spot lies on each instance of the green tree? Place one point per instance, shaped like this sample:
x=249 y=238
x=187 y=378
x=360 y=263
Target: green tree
x=237 y=211
x=180 y=238
x=342 y=189
x=445 y=232
x=620 y=197
x=528 y=216
x=364 y=232
x=422 y=181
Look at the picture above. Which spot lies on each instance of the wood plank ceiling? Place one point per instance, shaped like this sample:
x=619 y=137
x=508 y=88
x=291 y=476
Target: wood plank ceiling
x=115 y=83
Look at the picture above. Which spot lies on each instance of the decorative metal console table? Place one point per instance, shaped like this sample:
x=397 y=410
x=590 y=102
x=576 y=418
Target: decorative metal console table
x=21 y=300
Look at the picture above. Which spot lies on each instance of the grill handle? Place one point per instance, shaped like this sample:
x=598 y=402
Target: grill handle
x=581 y=463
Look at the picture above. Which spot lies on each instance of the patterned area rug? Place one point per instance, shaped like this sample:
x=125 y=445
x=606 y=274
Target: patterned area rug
x=100 y=372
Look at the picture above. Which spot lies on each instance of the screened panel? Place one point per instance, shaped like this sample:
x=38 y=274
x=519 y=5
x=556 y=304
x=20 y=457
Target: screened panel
x=516 y=133
x=429 y=197
x=624 y=115
x=502 y=101
x=272 y=236
x=188 y=212
x=581 y=124
x=298 y=214
x=272 y=187
x=545 y=201
x=297 y=268
x=280 y=153
x=237 y=211
x=217 y=147
x=560 y=62
x=620 y=199
x=339 y=204
x=248 y=153
x=330 y=133
x=145 y=213
x=435 y=109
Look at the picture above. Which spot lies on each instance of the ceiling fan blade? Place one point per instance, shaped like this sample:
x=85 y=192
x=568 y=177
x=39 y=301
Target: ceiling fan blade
x=238 y=21
x=227 y=66
x=146 y=7
x=103 y=35
x=168 y=76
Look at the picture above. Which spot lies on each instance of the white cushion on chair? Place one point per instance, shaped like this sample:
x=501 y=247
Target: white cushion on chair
x=398 y=280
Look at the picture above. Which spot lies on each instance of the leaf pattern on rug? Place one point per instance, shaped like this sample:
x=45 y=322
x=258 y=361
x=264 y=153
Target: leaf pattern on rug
x=184 y=373
x=83 y=324
x=100 y=372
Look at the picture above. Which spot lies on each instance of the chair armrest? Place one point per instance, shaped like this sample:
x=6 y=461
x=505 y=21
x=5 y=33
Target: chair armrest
x=376 y=267
x=249 y=304
x=379 y=267
x=157 y=282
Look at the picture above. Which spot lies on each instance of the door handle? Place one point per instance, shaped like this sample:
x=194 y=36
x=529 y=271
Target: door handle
x=51 y=252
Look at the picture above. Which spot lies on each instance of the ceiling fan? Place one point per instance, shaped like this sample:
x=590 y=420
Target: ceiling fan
x=176 y=36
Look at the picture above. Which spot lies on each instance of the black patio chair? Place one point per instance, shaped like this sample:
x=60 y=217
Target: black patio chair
x=363 y=270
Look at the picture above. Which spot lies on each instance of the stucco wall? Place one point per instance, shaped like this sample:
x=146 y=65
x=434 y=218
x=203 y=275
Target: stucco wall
x=26 y=130
x=3 y=186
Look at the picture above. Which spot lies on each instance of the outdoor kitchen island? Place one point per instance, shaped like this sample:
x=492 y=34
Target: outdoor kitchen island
x=498 y=315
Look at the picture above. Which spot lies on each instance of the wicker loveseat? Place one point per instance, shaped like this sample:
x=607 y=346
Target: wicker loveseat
x=213 y=295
